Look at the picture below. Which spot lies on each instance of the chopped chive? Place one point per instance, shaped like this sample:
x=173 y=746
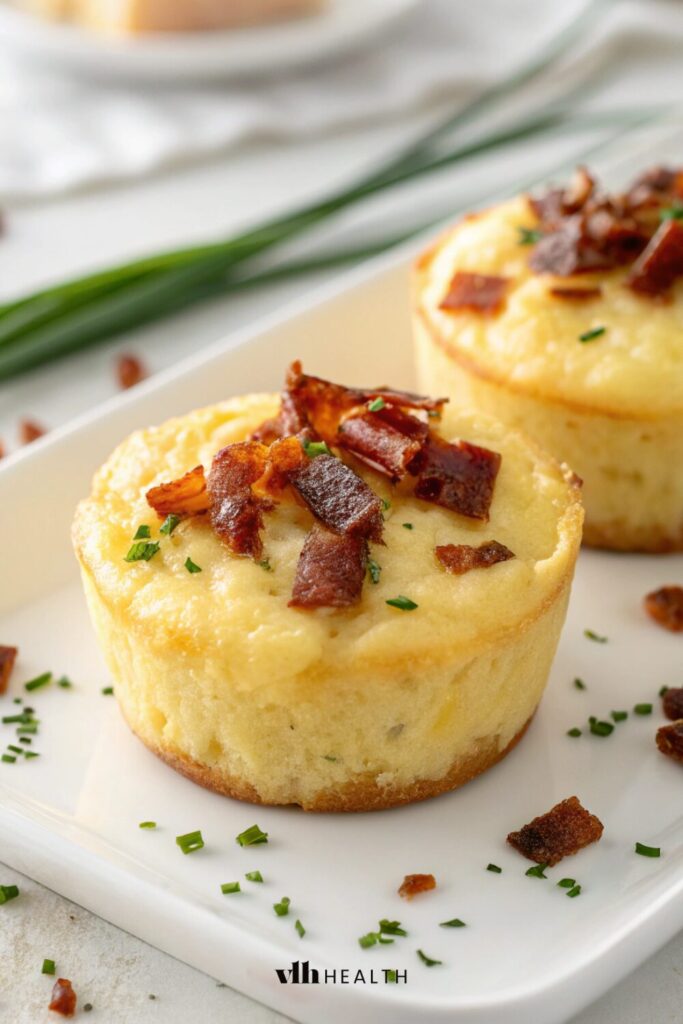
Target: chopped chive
x=404 y=603
x=595 y=332
x=191 y=566
x=107 y=691
x=391 y=927
x=190 y=842
x=64 y=682
x=8 y=892
x=391 y=975
x=567 y=883
x=329 y=757
x=300 y=928
x=374 y=570
x=142 y=551
x=22 y=719
x=87 y=1007
x=642 y=709
x=453 y=923
x=573 y=732
x=591 y=635
x=38 y=681
x=619 y=716
x=29 y=711
x=494 y=868
x=537 y=871
x=8 y=758
x=648 y=851
x=386 y=504
x=574 y=891
x=427 y=960
x=407 y=526
x=365 y=941
x=254 y=876
x=600 y=728
x=529 y=236
x=664 y=689
x=579 y=684
x=252 y=837
x=265 y=564
x=228 y=888
x=24 y=739
x=17 y=700
x=282 y=908
x=147 y=824
x=315 y=448
x=671 y=213
x=143 y=532
x=30 y=754
x=169 y=524
x=15 y=750
x=48 y=967
x=376 y=405
x=30 y=729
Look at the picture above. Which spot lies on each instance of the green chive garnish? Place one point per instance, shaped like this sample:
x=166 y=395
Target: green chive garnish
x=537 y=871
x=567 y=883
x=15 y=750
x=595 y=332
x=454 y=923
x=64 y=682
x=300 y=928
x=8 y=758
x=404 y=603
x=365 y=941
x=228 y=888
x=579 y=684
x=391 y=927
x=191 y=566
x=30 y=754
x=169 y=524
x=574 y=732
x=8 y=892
x=427 y=960
x=190 y=842
x=282 y=908
x=648 y=851
x=664 y=689
x=671 y=213
x=25 y=739
x=494 y=868
x=254 y=876
x=48 y=967
x=574 y=891
x=252 y=837
x=620 y=716
x=600 y=728
x=529 y=236
x=590 y=635
x=407 y=526
x=315 y=448
x=147 y=824
x=386 y=504
x=391 y=975
x=376 y=405
x=42 y=680
x=643 y=709
x=143 y=532
x=142 y=551
x=28 y=729
x=22 y=719
x=265 y=564
x=374 y=570
x=107 y=691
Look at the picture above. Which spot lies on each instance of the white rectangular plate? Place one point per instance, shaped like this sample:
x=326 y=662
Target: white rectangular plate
x=70 y=818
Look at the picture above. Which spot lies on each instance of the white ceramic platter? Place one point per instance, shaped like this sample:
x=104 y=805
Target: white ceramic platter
x=260 y=50
x=70 y=818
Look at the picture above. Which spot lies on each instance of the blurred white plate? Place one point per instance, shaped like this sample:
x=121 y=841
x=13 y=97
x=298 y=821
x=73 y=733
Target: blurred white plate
x=263 y=49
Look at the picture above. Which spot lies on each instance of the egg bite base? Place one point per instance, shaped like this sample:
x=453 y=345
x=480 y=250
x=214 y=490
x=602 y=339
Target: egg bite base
x=333 y=710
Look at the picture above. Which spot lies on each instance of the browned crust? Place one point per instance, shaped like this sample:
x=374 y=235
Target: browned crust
x=362 y=793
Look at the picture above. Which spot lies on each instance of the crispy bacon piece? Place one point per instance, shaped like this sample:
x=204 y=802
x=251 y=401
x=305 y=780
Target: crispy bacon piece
x=387 y=440
x=339 y=498
x=460 y=558
x=661 y=263
x=8 y=655
x=63 y=998
x=459 y=476
x=285 y=456
x=564 y=830
x=236 y=513
x=576 y=294
x=482 y=293
x=330 y=571
x=186 y=496
x=30 y=430
x=672 y=703
x=129 y=371
x=414 y=884
x=288 y=420
x=670 y=740
x=665 y=606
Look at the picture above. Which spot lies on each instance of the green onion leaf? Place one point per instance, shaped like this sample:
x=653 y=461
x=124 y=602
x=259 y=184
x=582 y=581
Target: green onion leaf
x=674 y=212
x=404 y=603
x=191 y=566
x=265 y=564
x=8 y=892
x=664 y=689
x=590 y=635
x=374 y=570
x=595 y=332
x=190 y=842
x=282 y=908
x=386 y=504
x=252 y=837
x=64 y=682
x=579 y=684
x=567 y=883
x=619 y=716
x=390 y=975
x=142 y=551
x=574 y=891
x=376 y=405
x=453 y=923
x=427 y=960
x=147 y=824
x=643 y=709
x=15 y=750
x=494 y=867
x=529 y=236
x=601 y=728
x=315 y=448
x=391 y=927
x=574 y=732
x=8 y=758
x=537 y=871
x=169 y=524
x=407 y=526
x=48 y=967
x=254 y=876
x=228 y=888
x=143 y=532
x=648 y=851
x=300 y=928
x=107 y=691
x=30 y=754
x=22 y=718
x=365 y=941
x=39 y=681
x=28 y=730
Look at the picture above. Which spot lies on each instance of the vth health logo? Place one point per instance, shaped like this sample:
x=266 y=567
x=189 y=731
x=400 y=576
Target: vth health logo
x=299 y=973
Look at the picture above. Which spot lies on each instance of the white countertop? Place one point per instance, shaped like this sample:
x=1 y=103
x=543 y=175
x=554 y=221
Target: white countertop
x=115 y=972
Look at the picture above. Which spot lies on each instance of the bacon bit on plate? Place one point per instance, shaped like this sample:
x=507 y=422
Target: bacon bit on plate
x=482 y=293
x=30 y=430
x=459 y=476
x=129 y=370
x=670 y=740
x=236 y=512
x=339 y=498
x=414 y=884
x=577 y=294
x=665 y=606
x=672 y=703
x=63 y=998
x=460 y=558
x=186 y=496
x=8 y=655
x=330 y=571
x=564 y=830
x=661 y=263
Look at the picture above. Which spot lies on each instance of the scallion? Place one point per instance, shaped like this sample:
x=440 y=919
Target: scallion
x=648 y=851
x=190 y=842
x=282 y=908
x=252 y=837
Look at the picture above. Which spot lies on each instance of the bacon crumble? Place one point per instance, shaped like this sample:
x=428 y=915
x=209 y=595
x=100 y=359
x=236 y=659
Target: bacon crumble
x=459 y=476
x=339 y=498
x=130 y=371
x=563 y=830
x=30 y=430
x=670 y=740
x=8 y=655
x=186 y=496
x=672 y=703
x=576 y=294
x=461 y=558
x=412 y=885
x=330 y=571
x=661 y=262
x=387 y=440
x=236 y=513
x=665 y=606
x=480 y=293
x=63 y=998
